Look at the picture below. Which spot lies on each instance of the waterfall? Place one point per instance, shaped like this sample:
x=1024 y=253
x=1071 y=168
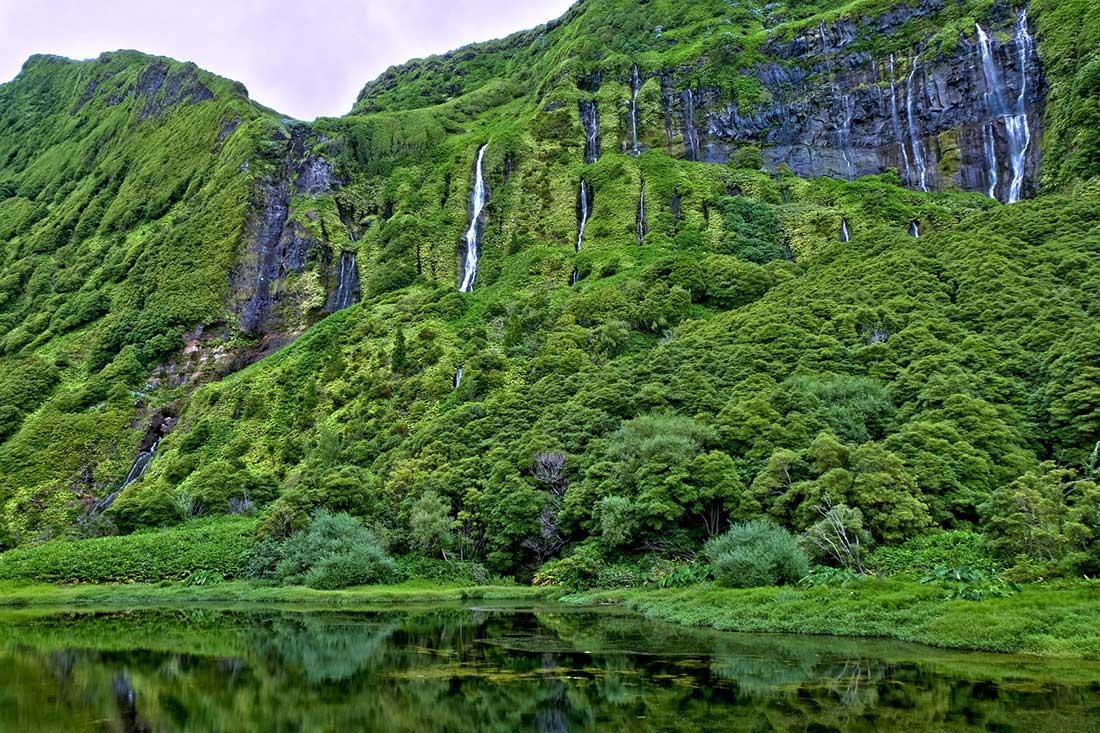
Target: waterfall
x=575 y=277
x=347 y=282
x=458 y=377
x=994 y=101
x=989 y=145
x=144 y=458
x=582 y=212
x=914 y=229
x=635 y=85
x=640 y=226
x=914 y=135
x=1019 y=131
x=896 y=121
x=845 y=235
x=844 y=133
x=590 y=120
x=477 y=206
x=691 y=137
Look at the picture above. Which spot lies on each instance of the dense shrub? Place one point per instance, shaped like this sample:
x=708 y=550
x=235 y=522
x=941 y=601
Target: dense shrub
x=757 y=553
x=332 y=551
x=216 y=545
x=416 y=567
x=921 y=555
x=579 y=569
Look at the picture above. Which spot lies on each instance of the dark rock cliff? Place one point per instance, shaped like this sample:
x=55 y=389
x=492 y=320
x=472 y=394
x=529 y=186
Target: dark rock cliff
x=276 y=247
x=836 y=110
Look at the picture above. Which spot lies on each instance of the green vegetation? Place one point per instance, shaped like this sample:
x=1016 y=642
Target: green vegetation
x=1041 y=621
x=913 y=407
x=233 y=593
x=213 y=548
x=332 y=551
x=755 y=554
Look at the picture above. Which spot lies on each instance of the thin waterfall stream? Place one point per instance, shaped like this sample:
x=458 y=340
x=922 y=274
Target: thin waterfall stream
x=635 y=86
x=896 y=122
x=590 y=120
x=914 y=133
x=584 y=198
x=473 y=235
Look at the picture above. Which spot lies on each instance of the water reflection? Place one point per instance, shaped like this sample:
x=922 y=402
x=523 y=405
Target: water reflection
x=547 y=669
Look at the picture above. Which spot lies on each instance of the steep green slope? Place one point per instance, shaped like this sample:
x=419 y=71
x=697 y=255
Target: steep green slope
x=122 y=206
x=726 y=339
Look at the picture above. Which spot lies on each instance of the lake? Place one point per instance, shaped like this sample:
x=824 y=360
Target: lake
x=501 y=668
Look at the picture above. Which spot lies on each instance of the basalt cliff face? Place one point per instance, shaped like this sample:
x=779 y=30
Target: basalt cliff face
x=944 y=120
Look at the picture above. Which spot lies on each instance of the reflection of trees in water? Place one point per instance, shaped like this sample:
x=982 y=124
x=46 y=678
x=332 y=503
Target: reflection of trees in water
x=763 y=667
x=320 y=649
x=449 y=671
x=855 y=682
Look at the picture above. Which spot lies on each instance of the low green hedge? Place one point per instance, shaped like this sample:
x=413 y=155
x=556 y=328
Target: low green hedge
x=921 y=555
x=217 y=546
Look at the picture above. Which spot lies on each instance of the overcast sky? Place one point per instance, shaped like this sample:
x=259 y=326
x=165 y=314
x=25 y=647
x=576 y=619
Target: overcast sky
x=305 y=58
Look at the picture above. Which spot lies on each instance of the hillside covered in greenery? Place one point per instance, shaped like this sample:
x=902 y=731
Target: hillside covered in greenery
x=697 y=299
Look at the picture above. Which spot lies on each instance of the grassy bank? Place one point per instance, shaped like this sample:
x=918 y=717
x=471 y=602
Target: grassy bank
x=1039 y=621
x=14 y=594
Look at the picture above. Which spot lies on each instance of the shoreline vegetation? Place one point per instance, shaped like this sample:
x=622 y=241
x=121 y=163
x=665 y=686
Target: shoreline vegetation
x=1058 y=622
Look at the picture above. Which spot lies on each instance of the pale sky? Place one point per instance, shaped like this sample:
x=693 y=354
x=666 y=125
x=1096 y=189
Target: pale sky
x=305 y=58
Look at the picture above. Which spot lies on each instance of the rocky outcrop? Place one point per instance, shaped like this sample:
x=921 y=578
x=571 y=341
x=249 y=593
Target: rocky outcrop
x=276 y=247
x=835 y=109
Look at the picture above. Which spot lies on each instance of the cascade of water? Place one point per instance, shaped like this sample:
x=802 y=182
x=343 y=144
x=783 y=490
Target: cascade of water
x=347 y=282
x=691 y=137
x=989 y=146
x=845 y=235
x=896 y=121
x=582 y=212
x=473 y=234
x=844 y=131
x=914 y=135
x=914 y=229
x=994 y=100
x=590 y=120
x=144 y=458
x=640 y=227
x=575 y=277
x=1016 y=124
x=458 y=377
x=635 y=86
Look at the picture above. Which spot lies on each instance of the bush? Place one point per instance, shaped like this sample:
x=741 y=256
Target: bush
x=921 y=555
x=332 y=551
x=445 y=571
x=217 y=546
x=575 y=571
x=757 y=553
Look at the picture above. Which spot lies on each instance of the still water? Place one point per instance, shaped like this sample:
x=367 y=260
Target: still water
x=501 y=668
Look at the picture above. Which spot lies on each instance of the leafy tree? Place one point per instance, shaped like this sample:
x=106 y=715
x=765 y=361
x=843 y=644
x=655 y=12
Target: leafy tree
x=1048 y=518
x=430 y=524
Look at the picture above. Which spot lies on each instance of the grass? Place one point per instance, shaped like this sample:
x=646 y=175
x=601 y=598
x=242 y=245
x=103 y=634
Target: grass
x=16 y=594
x=1042 y=621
